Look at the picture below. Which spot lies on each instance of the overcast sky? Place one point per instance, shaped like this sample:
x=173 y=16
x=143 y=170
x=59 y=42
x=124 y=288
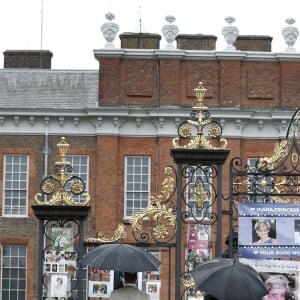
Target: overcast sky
x=71 y=28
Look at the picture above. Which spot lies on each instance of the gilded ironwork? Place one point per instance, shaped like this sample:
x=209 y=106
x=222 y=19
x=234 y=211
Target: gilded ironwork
x=160 y=211
x=119 y=234
x=188 y=282
x=273 y=179
x=53 y=187
x=198 y=194
x=162 y=215
x=167 y=187
x=201 y=132
x=280 y=151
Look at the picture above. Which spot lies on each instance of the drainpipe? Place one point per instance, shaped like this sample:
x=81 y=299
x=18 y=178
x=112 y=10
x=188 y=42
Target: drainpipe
x=46 y=152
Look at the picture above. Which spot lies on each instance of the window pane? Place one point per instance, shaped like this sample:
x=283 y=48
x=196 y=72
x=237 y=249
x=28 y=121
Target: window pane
x=137 y=184
x=14 y=274
x=13 y=283
x=22 y=284
x=5 y=273
x=15 y=184
x=5 y=261
x=5 y=295
x=5 y=284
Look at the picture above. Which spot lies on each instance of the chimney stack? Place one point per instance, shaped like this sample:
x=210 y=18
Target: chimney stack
x=27 y=59
x=196 y=42
x=140 y=40
x=254 y=43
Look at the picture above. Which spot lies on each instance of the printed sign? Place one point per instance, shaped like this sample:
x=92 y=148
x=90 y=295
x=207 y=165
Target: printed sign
x=269 y=230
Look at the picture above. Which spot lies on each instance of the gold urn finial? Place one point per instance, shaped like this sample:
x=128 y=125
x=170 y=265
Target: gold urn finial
x=200 y=93
x=200 y=132
x=53 y=187
x=63 y=148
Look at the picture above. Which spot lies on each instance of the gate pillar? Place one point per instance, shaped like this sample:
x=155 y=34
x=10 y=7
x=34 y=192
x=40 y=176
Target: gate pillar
x=198 y=146
x=61 y=207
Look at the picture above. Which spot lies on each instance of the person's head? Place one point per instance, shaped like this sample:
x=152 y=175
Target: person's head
x=277 y=287
x=130 y=277
x=59 y=231
x=262 y=228
x=59 y=281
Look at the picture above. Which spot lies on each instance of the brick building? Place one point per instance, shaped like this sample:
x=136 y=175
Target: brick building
x=124 y=117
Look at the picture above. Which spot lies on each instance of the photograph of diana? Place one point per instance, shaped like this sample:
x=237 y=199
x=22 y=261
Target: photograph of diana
x=99 y=289
x=59 y=284
x=280 y=286
x=264 y=231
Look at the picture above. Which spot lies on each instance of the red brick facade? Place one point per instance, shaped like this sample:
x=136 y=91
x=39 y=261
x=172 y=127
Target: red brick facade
x=234 y=82
x=157 y=80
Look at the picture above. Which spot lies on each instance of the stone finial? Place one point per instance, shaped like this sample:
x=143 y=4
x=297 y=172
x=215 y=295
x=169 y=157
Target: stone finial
x=230 y=33
x=290 y=34
x=109 y=30
x=170 y=31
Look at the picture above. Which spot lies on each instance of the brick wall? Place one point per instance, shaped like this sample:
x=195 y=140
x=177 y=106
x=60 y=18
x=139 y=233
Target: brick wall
x=229 y=83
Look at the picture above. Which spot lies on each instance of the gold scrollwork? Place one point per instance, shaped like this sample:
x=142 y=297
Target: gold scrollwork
x=119 y=234
x=61 y=198
x=280 y=151
x=167 y=187
x=159 y=214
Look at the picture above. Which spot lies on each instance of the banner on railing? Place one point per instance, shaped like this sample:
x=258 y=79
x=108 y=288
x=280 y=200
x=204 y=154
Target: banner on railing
x=269 y=230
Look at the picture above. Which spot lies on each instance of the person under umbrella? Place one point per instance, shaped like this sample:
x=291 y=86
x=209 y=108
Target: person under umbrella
x=129 y=290
x=122 y=258
x=228 y=279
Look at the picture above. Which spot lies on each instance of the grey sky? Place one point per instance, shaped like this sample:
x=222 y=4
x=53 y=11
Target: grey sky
x=71 y=28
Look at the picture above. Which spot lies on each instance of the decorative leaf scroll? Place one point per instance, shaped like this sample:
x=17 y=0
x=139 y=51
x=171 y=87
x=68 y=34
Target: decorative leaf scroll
x=100 y=238
x=280 y=151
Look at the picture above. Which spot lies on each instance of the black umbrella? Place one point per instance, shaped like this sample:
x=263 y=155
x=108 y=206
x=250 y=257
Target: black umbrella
x=121 y=257
x=228 y=279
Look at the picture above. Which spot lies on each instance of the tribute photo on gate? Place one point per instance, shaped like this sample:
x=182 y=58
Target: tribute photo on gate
x=281 y=277
x=99 y=289
x=59 y=285
x=63 y=239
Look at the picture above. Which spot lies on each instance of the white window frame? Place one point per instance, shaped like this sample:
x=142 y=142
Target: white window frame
x=137 y=188
x=9 y=186
x=12 y=262
x=78 y=171
x=191 y=206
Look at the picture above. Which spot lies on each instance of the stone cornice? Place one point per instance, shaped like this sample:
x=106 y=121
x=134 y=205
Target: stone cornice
x=195 y=55
x=141 y=121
